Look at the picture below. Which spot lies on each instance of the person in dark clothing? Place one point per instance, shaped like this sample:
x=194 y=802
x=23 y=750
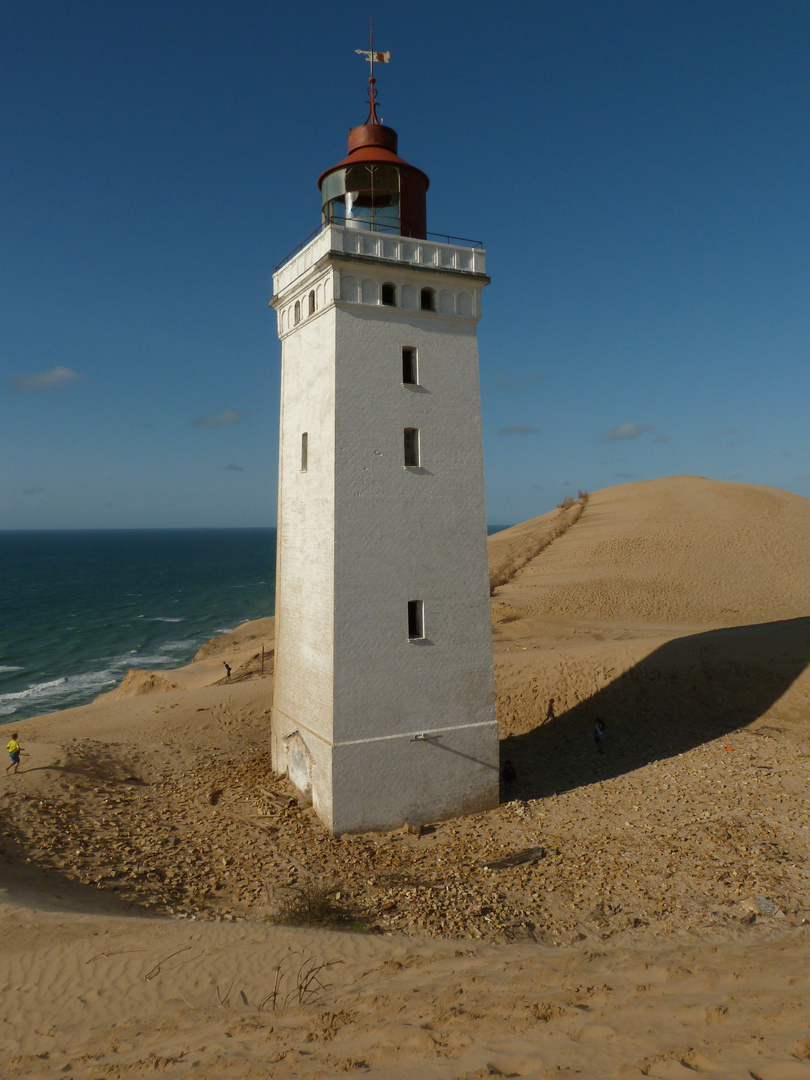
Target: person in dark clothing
x=599 y=736
x=508 y=775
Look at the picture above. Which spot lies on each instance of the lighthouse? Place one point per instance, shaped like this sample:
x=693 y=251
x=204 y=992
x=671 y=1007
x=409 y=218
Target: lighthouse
x=384 y=705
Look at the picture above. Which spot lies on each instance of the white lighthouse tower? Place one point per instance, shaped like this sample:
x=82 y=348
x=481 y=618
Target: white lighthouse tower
x=384 y=709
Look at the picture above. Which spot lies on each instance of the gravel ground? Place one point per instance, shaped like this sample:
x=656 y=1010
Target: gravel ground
x=709 y=842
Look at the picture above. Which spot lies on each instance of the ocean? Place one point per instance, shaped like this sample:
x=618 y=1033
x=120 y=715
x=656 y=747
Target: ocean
x=79 y=608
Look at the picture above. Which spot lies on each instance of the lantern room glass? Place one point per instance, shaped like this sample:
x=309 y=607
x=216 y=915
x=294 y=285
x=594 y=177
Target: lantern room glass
x=363 y=197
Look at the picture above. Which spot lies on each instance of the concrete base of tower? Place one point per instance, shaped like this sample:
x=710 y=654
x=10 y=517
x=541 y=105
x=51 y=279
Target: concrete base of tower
x=385 y=783
x=377 y=784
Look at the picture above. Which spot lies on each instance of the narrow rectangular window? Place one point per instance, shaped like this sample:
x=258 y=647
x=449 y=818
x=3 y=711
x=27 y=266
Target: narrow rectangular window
x=409 y=371
x=304 y=451
x=416 y=619
x=412 y=447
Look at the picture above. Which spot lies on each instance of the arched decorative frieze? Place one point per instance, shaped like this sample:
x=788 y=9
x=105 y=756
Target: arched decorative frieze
x=348 y=288
x=465 y=305
x=370 y=291
x=447 y=302
x=410 y=297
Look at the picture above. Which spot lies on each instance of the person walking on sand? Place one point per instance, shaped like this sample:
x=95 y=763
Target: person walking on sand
x=227 y=670
x=550 y=710
x=14 y=753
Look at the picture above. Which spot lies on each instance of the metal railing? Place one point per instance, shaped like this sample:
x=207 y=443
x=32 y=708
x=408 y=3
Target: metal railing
x=389 y=230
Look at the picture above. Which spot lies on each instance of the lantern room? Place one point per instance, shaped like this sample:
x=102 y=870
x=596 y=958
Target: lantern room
x=373 y=188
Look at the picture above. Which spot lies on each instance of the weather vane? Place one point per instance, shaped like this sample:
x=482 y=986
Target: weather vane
x=371 y=56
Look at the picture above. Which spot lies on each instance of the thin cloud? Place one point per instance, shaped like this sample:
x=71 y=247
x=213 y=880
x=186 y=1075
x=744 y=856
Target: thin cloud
x=44 y=380
x=661 y=438
x=225 y=418
x=626 y=431
x=521 y=383
x=232 y=467
x=624 y=475
x=518 y=429
x=34 y=491
x=716 y=435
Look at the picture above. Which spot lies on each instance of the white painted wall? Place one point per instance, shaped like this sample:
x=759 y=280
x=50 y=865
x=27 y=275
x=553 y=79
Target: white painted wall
x=360 y=535
x=303 y=697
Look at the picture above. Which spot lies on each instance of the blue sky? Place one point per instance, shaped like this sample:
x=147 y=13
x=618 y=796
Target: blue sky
x=637 y=170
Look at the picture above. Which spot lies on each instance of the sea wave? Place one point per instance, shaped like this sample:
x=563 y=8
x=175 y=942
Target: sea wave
x=59 y=693
x=54 y=695
x=179 y=646
x=10 y=667
x=162 y=655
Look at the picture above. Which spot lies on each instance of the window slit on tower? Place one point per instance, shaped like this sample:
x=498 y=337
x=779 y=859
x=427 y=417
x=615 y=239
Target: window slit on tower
x=427 y=300
x=416 y=619
x=409 y=372
x=304 y=450
x=411 y=445
x=389 y=294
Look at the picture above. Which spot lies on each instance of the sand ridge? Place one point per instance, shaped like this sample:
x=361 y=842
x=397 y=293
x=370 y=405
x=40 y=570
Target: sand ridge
x=660 y=931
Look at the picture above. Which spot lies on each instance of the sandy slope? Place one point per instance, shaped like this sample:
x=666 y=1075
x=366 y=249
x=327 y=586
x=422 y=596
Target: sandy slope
x=95 y=997
x=683 y=601
x=681 y=550
x=662 y=933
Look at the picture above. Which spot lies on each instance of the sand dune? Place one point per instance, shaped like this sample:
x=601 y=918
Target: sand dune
x=662 y=932
x=684 y=550
x=676 y=606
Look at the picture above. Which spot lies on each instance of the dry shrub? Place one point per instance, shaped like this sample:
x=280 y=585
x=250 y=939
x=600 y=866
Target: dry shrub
x=311 y=903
